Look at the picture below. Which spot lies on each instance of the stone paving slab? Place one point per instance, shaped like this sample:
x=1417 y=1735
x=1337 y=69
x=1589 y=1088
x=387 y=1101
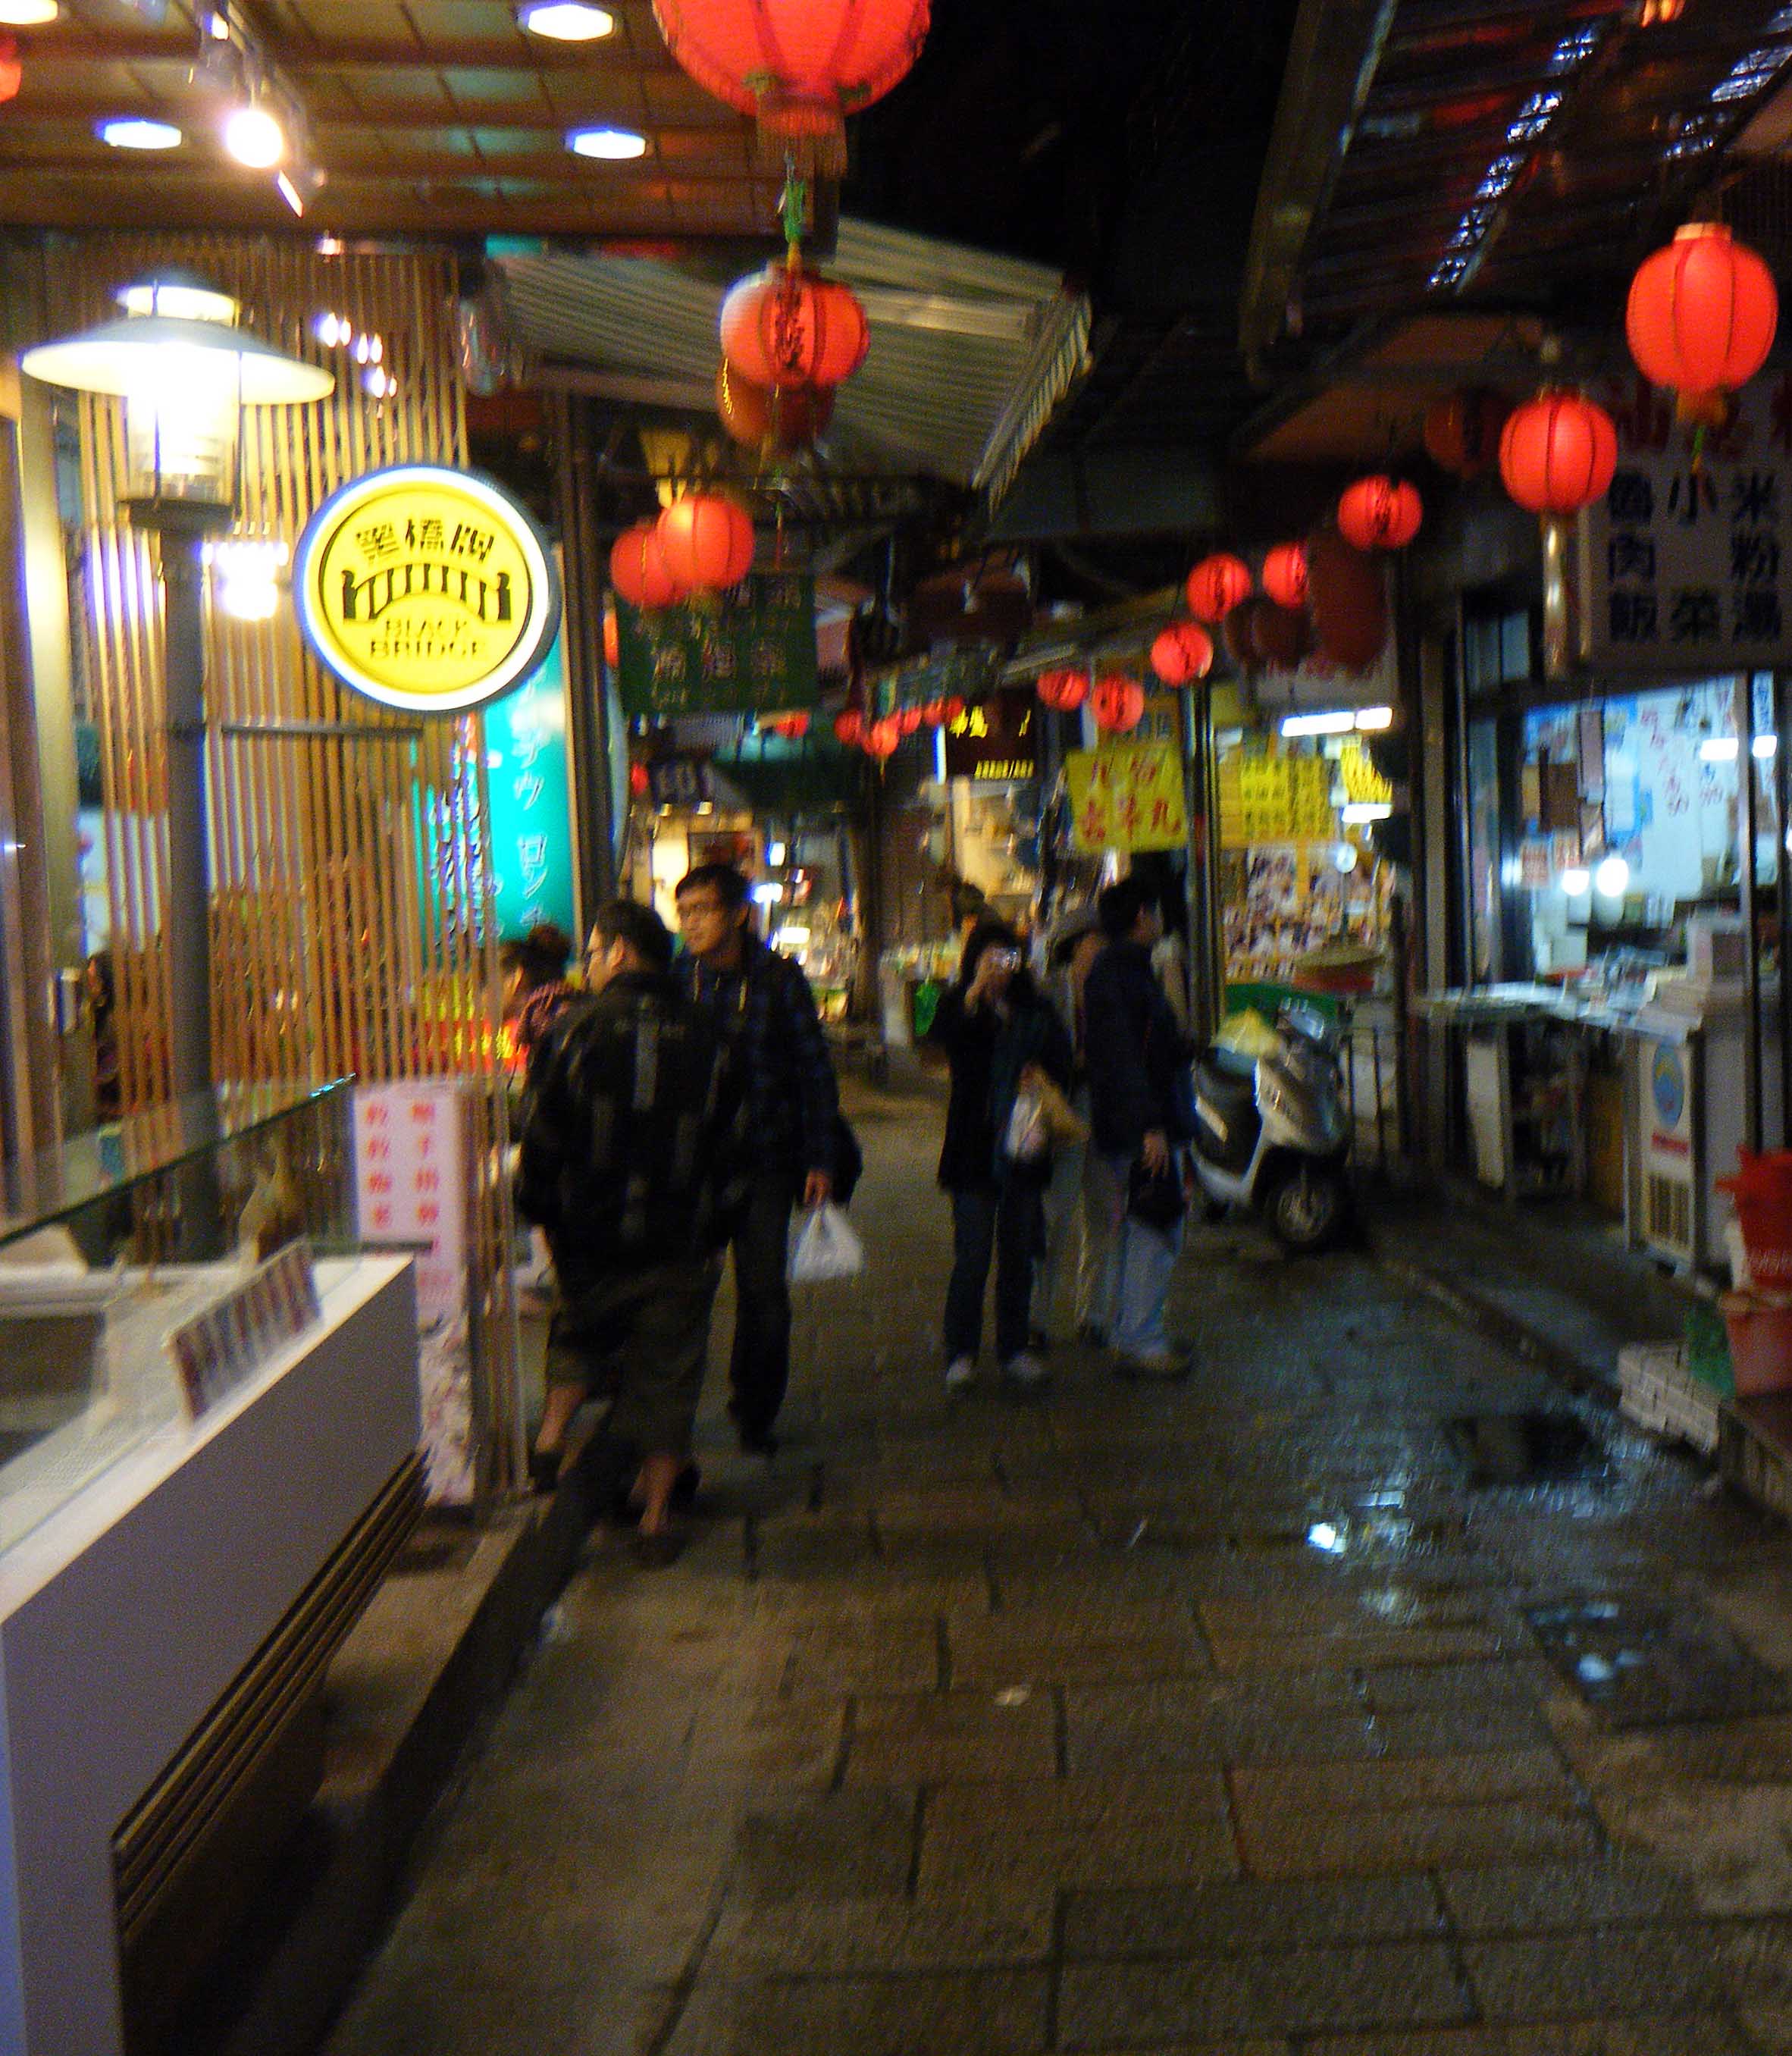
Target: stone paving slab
x=1536 y=1898
x=1007 y=1650
x=1247 y=1917
x=1653 y=2035
x=951 y=1737
x=837 y=1845
x=1605 y=1970
x=1279 y=1843
x=808 y=1937
x=1381 y=1786
x=994 y=2013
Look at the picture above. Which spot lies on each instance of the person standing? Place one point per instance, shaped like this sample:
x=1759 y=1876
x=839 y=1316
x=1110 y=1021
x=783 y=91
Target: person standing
x=997 y=1029
x=633 y=1142
x=1133 y=1051
x=762 y=1004
x=533 y=968
x=1077 y=1250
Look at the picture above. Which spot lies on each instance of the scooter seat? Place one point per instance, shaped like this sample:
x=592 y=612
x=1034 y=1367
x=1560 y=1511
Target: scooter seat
x=1226 y=1077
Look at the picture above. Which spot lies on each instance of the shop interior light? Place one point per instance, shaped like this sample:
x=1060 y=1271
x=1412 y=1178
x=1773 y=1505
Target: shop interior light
x=334 y=331
x=1369 y=719
x=1322 y=1535
x=27 y=13
x=246 y=576
x=1343 y=857
x=614 y=146
x=775 y=853
x=253 y=136
x=1357 y=812
x=1339 y=723
x=1764 y=745
x=1718 y=749
x=568 y=21
x=768 y=895
x=130 y=133
x=1611 y=877
x=1575 y=880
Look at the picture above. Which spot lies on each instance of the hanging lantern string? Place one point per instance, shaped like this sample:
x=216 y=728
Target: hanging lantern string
x=793 y=205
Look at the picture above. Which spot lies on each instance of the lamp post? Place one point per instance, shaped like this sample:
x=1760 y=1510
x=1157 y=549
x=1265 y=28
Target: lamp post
x=185 y=371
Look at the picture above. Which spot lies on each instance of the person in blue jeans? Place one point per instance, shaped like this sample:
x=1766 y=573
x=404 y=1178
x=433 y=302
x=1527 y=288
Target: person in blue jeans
x=997 y=1030
x=1133 y=1052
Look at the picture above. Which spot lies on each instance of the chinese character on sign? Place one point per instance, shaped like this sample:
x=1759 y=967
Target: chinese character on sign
x=1694 y=617
x=377 y=540
x=424 y=535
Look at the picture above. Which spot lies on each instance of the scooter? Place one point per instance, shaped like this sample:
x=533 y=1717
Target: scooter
x=1272 y=1132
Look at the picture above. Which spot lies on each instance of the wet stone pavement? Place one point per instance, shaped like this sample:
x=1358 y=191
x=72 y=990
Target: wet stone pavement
x=1263 y=1714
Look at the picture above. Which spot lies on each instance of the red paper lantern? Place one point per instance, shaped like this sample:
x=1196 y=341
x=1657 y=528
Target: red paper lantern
x=773 y=417
x=1379 y=513
x=1118 y=702
x=909 y=720
x=849 y=727
x=955 y=706
x=707 y=541
x=1284 y=575
x=1557 y=452
x=1183 y=651
x=638 y=779
x=883 y=736
x=1216 y=585
x=792 y=726
x=934 y=713
x=638 y=570
x=1063 y=691
x=12 y=72
x=1701 y=312
x=612 y=639
x=798 y=66
x=789 y=326
x=1462 y=430
x=1348 y=598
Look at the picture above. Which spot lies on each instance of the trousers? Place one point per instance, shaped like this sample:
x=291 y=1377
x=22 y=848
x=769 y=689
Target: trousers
x=643 y=1340
x=759 y=1367
x=1006 y=1225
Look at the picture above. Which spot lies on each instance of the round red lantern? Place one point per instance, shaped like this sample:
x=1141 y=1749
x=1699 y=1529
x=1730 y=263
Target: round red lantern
x=799 y=66
x=612 y=639
x=909 y=720
x=1216 y=585
x=1701 y=312
x=1557 y=452
x=883 y=736
x=1462 y=430
x=1063 y=691
x=638 y=779
x=849 y=727
x=1348 y=598
x=1183 y=651
x=955 y=706
x=934 y=713
x=707 y=541
x=789 y=326
x=1284 y=575
x=1118 y=702
x=773 y=417
x=638 y=570
x=1379 y=513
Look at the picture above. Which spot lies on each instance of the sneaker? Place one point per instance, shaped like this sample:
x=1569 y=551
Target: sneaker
x=1025 y=1369
x=960 y=1372
x=1159 y=1366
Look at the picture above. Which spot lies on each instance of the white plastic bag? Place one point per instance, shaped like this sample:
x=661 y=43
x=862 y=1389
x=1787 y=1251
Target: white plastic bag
x=826 y=1248
x=1028 y=1139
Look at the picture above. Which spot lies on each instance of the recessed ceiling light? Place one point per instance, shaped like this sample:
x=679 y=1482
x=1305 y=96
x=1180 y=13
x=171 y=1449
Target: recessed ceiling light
x=27 y=13
x=568 y=21
x=133 y=134
x=255 y=137
x=616 y=145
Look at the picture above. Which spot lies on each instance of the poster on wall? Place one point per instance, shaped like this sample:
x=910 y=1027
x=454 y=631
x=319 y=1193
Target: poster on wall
x=748 y=651
x=531 y=827
x=410 y=1193
x=1685 y=565
x=1275 y=800
x=1126 y=796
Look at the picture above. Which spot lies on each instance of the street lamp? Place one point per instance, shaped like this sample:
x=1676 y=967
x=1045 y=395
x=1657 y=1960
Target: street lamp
x=185 y=371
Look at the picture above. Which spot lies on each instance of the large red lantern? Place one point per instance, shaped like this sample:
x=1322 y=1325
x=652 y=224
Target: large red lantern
x=849 y=727
x=1557 y=452
x=707 y=541
x=1348 y=598
x=1216 y=585
x=909 y=720
x=1118 y=703
x=1379 y=513
x=799 y=66
x=1701 y=312
x=882 y=737
x=790 y=327
x=1462 y=430
x=1063 y=691
x=1284 y=575
x=775 y=418
x=1183 y=651
x=638 y=570
x=934 y=713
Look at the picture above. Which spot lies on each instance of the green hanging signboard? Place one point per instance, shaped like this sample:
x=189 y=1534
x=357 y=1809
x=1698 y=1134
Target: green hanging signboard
x=749 y=651
x=530 y=843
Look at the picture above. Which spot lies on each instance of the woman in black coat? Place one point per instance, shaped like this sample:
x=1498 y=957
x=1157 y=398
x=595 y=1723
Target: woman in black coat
x=998 y=1031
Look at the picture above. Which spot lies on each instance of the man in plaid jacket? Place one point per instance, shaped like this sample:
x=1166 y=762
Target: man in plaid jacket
x=763 y=1005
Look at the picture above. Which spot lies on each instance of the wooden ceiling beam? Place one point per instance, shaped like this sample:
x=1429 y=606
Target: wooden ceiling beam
x=299 y=61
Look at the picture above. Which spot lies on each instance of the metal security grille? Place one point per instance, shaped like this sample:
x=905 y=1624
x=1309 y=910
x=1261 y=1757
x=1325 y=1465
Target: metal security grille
x=1668 y=1212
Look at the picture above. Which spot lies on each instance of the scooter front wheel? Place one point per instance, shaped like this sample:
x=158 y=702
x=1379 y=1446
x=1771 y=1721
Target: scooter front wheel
x=1306 y=1208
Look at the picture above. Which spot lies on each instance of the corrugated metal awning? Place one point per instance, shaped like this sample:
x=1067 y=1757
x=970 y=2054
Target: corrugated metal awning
x=970 y=352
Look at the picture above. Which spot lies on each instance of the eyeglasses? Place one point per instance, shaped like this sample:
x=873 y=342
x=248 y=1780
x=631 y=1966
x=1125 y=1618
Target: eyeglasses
x=690 y=910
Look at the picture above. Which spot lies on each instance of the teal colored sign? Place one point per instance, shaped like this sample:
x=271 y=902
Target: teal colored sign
x=531 y=839
x=749 y=651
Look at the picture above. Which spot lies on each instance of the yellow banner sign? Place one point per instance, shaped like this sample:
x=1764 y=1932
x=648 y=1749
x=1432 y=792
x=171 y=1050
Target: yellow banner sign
x=1276 y=799
x=1127 y=796
x=425 y=588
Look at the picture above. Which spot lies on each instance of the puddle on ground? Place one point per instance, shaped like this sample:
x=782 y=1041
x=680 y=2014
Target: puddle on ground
x=1524 y=1448
x=1644 y=1663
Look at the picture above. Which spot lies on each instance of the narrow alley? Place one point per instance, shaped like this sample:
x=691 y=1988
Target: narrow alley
x=1319 y=1704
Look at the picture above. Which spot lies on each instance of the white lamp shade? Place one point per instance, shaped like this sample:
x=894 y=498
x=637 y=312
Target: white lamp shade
x=118 y=358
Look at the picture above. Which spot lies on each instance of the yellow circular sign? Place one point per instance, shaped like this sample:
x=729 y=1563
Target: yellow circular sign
x=425 y=588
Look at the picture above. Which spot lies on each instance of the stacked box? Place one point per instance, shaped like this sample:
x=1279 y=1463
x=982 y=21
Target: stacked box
x=1659 y=1393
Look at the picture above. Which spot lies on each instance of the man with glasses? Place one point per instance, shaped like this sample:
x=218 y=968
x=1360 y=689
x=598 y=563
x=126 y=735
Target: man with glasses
x=764 y=1007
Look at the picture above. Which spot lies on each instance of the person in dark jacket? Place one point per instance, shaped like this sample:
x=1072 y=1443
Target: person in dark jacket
x=997 y=1029
x=762 y=1004
x=632 y=1148
x=1133 y=1052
